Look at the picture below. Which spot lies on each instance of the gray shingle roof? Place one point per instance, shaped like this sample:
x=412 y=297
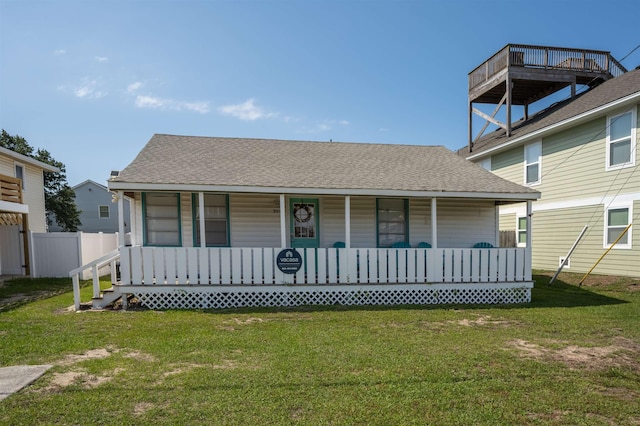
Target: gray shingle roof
x=607 y=92
x=213 y=161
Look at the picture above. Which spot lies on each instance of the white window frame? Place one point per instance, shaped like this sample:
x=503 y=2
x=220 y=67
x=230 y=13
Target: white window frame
x=519 y=230
x=632 y=142
x=530 y=162
x=108 y=211
x=23 y=178
x=605 y=243
x=486 y=164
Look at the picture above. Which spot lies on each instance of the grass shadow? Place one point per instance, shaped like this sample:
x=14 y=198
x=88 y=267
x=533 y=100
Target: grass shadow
x=17 y=292
x=564 y=293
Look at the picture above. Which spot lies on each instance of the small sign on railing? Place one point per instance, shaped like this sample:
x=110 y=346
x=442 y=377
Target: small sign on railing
x=289 y=261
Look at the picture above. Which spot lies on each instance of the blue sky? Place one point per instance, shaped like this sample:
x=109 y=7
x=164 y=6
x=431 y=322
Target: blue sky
x=92 y=81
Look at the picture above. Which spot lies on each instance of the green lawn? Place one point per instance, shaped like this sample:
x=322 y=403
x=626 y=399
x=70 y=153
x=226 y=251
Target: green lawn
x=570 y=357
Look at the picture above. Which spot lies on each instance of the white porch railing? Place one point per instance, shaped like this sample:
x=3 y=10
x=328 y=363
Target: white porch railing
x=257 y=266
x=108 y=259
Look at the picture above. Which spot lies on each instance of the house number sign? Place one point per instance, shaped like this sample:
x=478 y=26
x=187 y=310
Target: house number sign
x=289 y=261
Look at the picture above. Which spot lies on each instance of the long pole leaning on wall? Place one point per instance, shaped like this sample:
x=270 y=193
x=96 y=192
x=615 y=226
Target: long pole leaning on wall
x=566 y=258
x=604 y=254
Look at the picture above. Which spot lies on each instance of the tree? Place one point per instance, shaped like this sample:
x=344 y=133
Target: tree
x=59 y=198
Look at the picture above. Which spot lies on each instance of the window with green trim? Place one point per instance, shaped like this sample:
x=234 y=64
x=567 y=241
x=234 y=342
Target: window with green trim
x=521 y=232
x=216 y=219
x=161 y=219
x=393 y=224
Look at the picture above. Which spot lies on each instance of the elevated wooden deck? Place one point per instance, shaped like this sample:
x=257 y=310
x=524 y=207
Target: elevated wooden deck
x=545 y=70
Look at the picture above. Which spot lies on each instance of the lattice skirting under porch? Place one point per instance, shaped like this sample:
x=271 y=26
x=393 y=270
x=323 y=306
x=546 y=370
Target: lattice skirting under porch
x=223 y=297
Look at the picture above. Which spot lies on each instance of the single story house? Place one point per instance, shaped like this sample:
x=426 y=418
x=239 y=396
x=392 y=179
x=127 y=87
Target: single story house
x=228 y=222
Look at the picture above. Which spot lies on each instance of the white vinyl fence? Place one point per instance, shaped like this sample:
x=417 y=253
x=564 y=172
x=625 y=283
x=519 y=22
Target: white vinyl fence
x=54 y=254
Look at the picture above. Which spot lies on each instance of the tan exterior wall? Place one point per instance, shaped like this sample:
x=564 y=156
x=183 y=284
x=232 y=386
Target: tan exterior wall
x=33 y=193
x=555 y=231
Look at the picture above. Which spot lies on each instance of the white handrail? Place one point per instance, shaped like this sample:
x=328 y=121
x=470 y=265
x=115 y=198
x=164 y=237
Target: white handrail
x=96 y=264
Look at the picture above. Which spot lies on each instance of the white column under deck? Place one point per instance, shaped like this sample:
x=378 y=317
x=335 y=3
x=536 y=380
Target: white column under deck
x=120 y=219
x=347 y=221
x=203 y=243
x=434 y=223
x=283 y=223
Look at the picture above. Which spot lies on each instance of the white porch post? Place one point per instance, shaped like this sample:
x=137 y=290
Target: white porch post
x=120 y=219
x=133 y=221
x=347 y=221
x=283 y=223
x=434 y=223
x=203 y=243
x=529 y=249
x=497 y=225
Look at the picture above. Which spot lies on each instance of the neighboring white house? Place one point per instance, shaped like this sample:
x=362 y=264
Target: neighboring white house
x=216 y=222
x=582 y=155
x=98 y=211
x=21 y=208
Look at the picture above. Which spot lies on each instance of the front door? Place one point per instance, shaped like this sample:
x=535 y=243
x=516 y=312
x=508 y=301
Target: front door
x=304 y=222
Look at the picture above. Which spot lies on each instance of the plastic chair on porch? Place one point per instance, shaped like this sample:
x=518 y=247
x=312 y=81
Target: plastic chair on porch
x=483 y=245
x=339 y=244
x=423 y=244
x=400 y=244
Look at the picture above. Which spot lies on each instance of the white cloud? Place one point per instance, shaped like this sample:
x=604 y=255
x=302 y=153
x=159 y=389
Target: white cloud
x=59 y=52
x=89 y=90
x=343 y=122
x=151 y=102
x=201 y=107
x=247 y=111
x=101 y=58
x=133 y=87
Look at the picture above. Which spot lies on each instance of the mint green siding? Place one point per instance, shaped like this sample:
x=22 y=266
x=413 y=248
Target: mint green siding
x=576 y=188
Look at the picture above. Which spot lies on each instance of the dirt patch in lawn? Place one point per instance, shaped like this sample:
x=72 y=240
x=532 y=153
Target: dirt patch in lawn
x=482 y=320
x=622 y=352
x=90 y=354
x=79 y=376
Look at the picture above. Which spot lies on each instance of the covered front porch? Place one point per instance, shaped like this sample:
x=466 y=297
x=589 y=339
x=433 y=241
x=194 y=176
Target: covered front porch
x=206 y=277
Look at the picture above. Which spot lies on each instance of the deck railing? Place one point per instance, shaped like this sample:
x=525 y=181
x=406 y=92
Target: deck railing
x=594 y=61
x=257 y=266
x=10 y=189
